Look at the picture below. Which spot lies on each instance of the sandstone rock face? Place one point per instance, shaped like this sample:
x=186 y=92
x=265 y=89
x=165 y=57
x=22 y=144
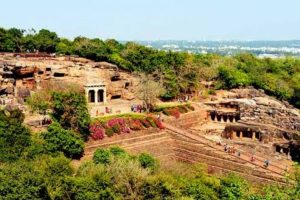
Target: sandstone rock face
x=29 y=70
x=258 y=113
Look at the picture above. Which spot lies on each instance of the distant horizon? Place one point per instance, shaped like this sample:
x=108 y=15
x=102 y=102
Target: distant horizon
x=156 y=40
x=135 y=20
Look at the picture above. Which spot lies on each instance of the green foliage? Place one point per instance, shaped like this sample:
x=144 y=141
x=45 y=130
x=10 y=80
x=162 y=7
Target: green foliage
x=117 y=151
x=102 y=156
x=70 y=110
x=199 y=190
x=161 y=186
x=147 y=161
x=21 y=181
x=38 y=102
x=46 y=41
x=233 y=188
x=233 y=78
x=54 y=170
x=66 y=141
x=14 y=137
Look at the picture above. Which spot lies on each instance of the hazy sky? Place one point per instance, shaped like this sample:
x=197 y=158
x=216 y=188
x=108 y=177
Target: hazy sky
x=158 y=19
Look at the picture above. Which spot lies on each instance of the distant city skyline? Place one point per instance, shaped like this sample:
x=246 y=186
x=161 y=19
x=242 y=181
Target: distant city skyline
x=158 y=19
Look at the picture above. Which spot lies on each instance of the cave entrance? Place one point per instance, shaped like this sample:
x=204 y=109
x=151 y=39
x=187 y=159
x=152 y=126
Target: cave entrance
x=91 y=96
x=100 y=95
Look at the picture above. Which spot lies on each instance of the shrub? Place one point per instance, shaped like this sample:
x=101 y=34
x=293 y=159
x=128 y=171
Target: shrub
x=166 y=112
x=233 y=187
x=109 y=132
x=145 y=123
x=97 y=131
x=117 y=151
x=115 y=121
x=125 y=129
x=102 y=156
x=174 y=112
x=199 y=190
x=158 y=123
x=151 y=121
x=66 y=141
x=147 y=161
x=135 y=124
x=182 y=109
x=116 y=128
x=189 y=106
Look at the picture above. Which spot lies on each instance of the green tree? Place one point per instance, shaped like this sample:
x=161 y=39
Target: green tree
x=70 y=110
x=46 y=41
x=147 y=161
x=64 y=47
x=55 y=172
x=14 y=137
x=21 y=181
x=66 y=141
x=233 y=78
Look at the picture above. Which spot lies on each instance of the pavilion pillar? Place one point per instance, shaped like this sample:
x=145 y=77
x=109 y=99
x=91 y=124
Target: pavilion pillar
x=233 y=134
x=104 y=95
x=96 y=96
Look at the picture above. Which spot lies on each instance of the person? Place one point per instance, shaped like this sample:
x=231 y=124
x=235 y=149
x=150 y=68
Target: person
x=239 y=153
x=226 y=147
x=158 y=117
x=267 y=162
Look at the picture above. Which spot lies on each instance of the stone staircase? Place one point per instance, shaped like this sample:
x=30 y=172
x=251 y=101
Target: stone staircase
x=193 y=149
x=153 y=141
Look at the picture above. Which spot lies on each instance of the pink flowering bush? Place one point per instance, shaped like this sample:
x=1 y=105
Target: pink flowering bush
x=97 y=131
x=109 y=128
x=115 y=121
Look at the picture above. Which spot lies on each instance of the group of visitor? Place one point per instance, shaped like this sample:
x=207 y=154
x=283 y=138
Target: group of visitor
x=229 y=149
x=233 y=150
x=183 y=99
x=137 y=108
x=46 y=121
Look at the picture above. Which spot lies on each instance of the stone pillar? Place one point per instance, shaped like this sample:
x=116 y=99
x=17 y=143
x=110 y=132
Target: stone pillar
x=233 y=134
x=87 y=95
x=241 y=134
x=253 y=135
x=96 y=95
x=104 y=95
